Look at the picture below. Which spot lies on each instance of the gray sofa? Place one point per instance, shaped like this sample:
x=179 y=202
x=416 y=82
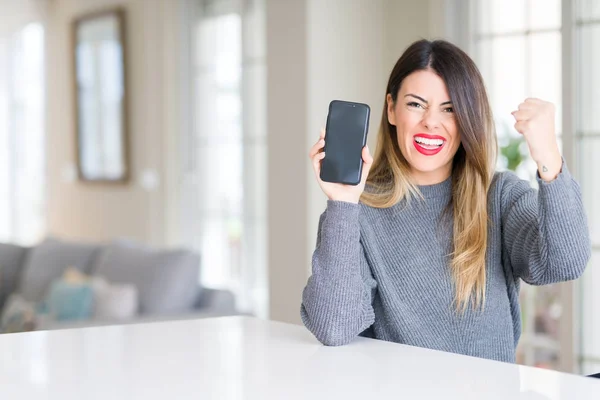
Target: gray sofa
x=166 y=280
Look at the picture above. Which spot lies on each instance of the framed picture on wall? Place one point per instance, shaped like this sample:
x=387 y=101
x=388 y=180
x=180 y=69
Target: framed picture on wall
x=100 y=94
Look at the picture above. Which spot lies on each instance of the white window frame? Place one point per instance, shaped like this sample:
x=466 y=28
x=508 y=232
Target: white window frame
x=251 y=290
x=572 y=45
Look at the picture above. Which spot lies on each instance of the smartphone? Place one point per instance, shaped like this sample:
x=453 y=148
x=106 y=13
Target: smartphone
x=345 y=136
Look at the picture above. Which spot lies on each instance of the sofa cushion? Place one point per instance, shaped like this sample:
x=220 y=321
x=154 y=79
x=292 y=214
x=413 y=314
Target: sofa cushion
x=167 y=281
x=11 y=261
x=70 y=301
x=47 y=262
x=114 y=301
x=18 y=315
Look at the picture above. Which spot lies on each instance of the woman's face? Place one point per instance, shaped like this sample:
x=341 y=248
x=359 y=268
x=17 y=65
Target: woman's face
x=426 y=126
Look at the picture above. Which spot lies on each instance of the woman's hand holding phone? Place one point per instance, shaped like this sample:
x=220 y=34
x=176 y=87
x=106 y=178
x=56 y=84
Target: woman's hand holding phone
x=339 y=191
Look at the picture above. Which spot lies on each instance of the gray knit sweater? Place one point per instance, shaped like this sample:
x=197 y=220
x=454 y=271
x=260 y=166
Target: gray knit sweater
x=384 y=273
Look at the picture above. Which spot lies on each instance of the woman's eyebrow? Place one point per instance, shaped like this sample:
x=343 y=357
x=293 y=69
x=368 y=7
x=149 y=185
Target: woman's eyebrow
x=425 y=101
x=417 y=97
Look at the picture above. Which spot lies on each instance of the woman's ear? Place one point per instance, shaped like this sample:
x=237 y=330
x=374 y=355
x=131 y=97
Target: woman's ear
x=390 y=109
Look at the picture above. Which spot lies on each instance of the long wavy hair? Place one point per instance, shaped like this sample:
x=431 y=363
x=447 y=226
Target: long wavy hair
x=389 y=179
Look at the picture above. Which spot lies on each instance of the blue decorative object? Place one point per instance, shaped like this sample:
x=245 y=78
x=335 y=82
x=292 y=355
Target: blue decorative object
x=70 y=301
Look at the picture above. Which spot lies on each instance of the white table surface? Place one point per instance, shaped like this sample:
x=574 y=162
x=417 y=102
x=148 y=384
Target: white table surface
x=246 y=358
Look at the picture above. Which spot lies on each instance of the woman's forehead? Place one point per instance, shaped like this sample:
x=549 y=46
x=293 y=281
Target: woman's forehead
x=426 y=84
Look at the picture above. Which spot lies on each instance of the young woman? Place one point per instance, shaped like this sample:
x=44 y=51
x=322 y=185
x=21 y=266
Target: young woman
x=429 y=249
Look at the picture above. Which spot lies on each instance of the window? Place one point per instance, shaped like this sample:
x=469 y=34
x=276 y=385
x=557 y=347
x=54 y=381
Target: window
x=587 y=143
x=22 y=161
x=517 y=45
x=519 y=52
x=223 y=213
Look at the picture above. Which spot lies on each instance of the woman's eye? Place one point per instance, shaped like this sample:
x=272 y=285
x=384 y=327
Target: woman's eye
x=449 y=110
x=414 y=104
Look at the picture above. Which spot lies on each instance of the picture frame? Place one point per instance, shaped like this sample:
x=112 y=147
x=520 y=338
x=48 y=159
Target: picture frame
x=99 y=81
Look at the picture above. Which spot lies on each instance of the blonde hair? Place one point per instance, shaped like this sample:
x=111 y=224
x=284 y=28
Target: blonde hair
x=389 y=179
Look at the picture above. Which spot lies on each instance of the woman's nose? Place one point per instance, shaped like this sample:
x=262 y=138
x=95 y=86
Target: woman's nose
x=431 y=120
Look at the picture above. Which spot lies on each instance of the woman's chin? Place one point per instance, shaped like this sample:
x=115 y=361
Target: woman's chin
x=423 y=167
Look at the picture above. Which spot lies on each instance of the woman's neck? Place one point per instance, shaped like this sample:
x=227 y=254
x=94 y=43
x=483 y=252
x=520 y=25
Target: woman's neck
x=431 y=177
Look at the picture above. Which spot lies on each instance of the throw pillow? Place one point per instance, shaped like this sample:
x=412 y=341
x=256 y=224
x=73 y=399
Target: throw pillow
x=69 y=301
x=74 y=276
x=47 y=262
x=18 y=315
x=114 y=301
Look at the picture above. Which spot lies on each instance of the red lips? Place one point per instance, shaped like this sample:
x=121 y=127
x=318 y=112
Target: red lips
x=428 y=151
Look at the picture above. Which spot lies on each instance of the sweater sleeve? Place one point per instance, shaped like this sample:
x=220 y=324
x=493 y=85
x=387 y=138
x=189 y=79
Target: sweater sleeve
x=545 y=231
x=337 y=300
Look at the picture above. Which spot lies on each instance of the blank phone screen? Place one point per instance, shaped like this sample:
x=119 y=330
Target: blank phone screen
x=344 y=139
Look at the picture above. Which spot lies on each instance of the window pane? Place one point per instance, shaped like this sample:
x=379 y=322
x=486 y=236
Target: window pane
x=223 y=212
x=255 y=169
x=590 y=304
x=538 y=352
x=506 y=81
x=5 y=144
x=547 y=311
x=25 y=130
x=255 y=100
x=221 y=171
x=588 y=9
x=218 y=42
x=544 y=14
x=589 y=165
x=499 y=16
x=254 y=43
x=546 y=358
x=545 y=70
x=590 y=367
x=218 y=150
x=507 y=77
x=516 y=66
x=253 y=267
x=503 y=64
x=206 y=107
x=589 y=79
x=485 y=62
x=219 y=67
x=221 y=246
